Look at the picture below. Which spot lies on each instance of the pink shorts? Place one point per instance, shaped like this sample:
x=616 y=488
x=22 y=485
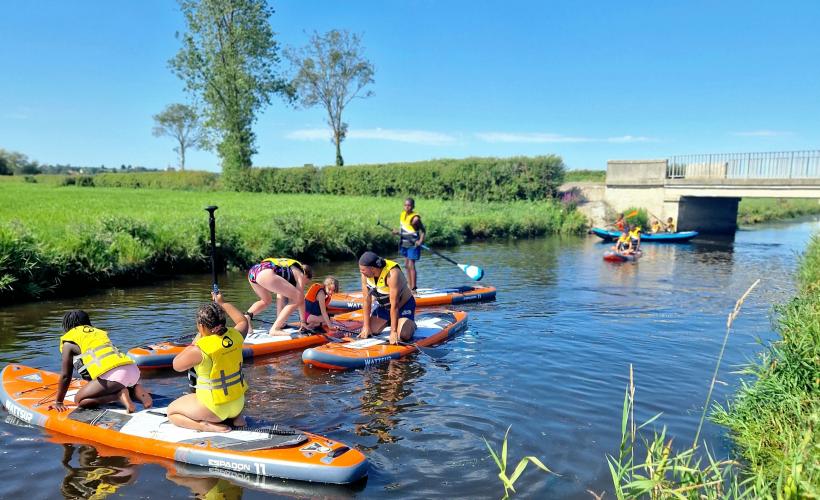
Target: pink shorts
x=127 y=375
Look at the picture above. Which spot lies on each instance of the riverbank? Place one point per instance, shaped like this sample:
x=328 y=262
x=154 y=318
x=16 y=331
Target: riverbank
x=774 y=420
x=59 y=239
x=757 y=210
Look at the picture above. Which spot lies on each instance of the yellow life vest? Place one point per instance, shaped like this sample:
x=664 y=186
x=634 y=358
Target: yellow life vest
x=635 y=233
x=379 y=288
x=284 y=262
x=97 y=354
x=656 y=227
x=408 y=233
x=219 y=378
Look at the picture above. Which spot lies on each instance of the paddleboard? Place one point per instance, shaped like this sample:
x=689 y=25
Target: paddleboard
x=259 y=343
x=425 y=297
x=433 y=327
x=261 y=447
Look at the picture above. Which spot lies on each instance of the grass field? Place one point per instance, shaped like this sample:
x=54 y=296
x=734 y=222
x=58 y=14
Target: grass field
x=52 y=235
x=755 y=210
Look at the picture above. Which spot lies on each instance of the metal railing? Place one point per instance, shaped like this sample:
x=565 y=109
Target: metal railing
x=780 y=165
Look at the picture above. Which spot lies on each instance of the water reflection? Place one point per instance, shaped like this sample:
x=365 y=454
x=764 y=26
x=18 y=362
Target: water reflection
x=94 y=477
x=384 y=391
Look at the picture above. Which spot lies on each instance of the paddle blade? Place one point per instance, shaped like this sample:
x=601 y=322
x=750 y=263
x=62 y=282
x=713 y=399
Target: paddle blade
x=474 y=272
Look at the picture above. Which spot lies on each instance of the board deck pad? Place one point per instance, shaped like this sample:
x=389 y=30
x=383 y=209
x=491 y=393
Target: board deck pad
x=425 y=297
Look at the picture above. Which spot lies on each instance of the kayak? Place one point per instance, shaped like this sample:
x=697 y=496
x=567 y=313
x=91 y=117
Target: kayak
x=261 y=447
x=621 y=257
x=680 y=237
x=258 y=343
x=425 y=297
x=432 y=327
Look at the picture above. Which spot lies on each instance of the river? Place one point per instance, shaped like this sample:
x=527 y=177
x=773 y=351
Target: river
x=550 y=358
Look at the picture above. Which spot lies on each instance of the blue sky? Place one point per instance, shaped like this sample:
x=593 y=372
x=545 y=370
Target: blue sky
x=590 y=81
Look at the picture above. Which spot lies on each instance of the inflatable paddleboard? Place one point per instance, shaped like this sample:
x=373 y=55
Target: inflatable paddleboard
x=680 y=237
x=258 y=343
x=620 y=257
x=425 y=297
x=433 y=327
x=262 y=448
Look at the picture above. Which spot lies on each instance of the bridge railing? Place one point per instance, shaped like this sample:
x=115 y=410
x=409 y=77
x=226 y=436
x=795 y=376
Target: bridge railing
x=780 y=165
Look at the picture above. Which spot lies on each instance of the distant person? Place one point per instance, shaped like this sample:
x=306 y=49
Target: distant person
x=670 y=226
x=395 y=306
x=412 y=233
x=656 y=226
x=619 y=222
x=635 y=237
x=623 y=245
x=112 y=375
x=287 y=278
x=317 y=299
x=216 y=356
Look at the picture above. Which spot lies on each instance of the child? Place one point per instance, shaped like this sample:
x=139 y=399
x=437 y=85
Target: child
x=317 y=299
x=670 y=226
x=112 y=375
x=216 y=355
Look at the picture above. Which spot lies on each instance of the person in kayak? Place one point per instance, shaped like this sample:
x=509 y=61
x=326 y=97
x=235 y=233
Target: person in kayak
x=317 y=299
x=411 y=232
x=635 y=237
x=287 y=278
x=656 y=226
x=619 y=222
x=670 y=226
x=216 y=356
x=387 y=297
x=623 y=244
x=112 y=375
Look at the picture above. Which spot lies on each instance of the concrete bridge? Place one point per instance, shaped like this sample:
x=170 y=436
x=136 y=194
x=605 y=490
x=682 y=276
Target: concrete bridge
x=701 y=192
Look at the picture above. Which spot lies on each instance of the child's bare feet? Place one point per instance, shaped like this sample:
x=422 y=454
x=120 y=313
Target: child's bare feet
x=125 y=399
x=143 y=396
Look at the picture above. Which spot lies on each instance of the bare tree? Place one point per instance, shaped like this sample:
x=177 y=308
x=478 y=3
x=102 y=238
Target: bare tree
x=331 y=70
x=181 y=122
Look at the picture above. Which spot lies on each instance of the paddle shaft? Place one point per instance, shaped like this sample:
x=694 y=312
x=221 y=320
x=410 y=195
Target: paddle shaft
x=212 y=225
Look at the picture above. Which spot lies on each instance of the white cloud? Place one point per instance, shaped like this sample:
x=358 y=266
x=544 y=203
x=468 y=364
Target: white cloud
x=762 y=133
x=542 y=138
x=381 y=134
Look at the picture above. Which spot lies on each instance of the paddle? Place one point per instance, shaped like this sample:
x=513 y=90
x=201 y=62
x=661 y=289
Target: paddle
x=212 y=224
x=473 y=272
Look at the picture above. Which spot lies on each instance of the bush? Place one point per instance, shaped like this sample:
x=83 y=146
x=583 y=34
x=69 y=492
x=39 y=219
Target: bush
x=200 y=181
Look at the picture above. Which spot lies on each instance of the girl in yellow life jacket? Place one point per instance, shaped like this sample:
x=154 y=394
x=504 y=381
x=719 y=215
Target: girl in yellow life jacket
x=216 y=355
x=112 y=374
x=287 y=278
x=623 y=244
x=317 y=299
x=656 y=226
x=635 y=236
x=670 y=226
x=387 y=297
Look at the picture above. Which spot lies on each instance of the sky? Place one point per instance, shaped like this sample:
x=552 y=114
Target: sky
x=589 y=81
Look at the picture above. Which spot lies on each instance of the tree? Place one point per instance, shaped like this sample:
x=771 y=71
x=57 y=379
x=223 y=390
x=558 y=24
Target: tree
x=227 y=60
x=180 y=122
x=331 y=70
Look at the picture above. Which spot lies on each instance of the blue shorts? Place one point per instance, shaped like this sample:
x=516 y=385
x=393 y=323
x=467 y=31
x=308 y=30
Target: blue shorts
x=412 y=253
x=312 y=307
x=408 y=310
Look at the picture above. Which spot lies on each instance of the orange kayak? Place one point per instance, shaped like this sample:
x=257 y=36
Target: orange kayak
x=425 y=297
x=261 y=448
x=432 y=327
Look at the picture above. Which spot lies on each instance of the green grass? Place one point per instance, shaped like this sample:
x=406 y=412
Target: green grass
x=755 y=210
x=585 y=176
x=53 y=236
x=775 y=416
